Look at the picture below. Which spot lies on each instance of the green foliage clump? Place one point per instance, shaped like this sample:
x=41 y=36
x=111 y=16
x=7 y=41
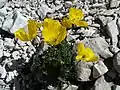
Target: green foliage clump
x=56 y=63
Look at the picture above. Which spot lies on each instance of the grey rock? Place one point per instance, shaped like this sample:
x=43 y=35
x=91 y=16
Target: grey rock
x=1 y=48
x=10 y=76
x=2 y=83
x=116 y=87
x=3 y=11
x=114 y=49
x=116 y=62
x=6 y=53
x=108 y=12
x=118 y=23
x=7 y=24
x=43 y=10
x=114 y=3
x=83 y=71
x=70 y=87
x=112 y=74
x=8 y=43
x=99 y=69
x=2 y=3
x=2 y=72
x=19 y=21
x=112 y=30
x=99 y=46
x=16 y=54
x=71 y=37
x=101 y=84
x=103 y=20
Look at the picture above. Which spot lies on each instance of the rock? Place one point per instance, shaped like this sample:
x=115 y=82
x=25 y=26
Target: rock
x=116 y=87
x=2 y=83
x=2 y=3
x=7 y=24
x=103 y=20
x=10 y=76
x=108 y=12
x=111 y=74
x=16 y=55
x=118 y=22
x=99 y=69
x=114 y=49
x=19 y=21
x=116 y=62
x=3 y=12
x=70 y=87
x=6 y=53
x=2 y=72
x=43 y=10
x=8 y=43
x=99 y=46
x=83 y=71
x=101 y=84
x=113 y=32
x=72 y=37
x=114 y=3
x=1 y=48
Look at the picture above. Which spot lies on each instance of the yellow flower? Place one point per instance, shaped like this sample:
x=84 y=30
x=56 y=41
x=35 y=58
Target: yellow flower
x=85 y=54
x=53 y=32
x=28 y=32
x=75 y=17
x=66 y=22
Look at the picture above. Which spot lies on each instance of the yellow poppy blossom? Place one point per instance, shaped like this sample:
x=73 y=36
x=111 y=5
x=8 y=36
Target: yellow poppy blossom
x=75 y=17
x=28 y=32
x=53 y=32
x=66 y=22
x=85 y=54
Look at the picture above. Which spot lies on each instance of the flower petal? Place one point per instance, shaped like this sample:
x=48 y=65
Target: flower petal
x=80 y=23
x=32 y=28
x=75 y=14
x=66 y=22
x=21 y=34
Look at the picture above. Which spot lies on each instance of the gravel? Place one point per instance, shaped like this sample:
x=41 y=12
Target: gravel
x=102 y=35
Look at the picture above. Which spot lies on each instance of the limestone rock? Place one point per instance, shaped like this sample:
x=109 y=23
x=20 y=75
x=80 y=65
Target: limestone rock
x=116 y=62
x=2 y=3
x=99 y=69
x=113 y=32
x=83 y=71
x=99 y=46
x=101 y=84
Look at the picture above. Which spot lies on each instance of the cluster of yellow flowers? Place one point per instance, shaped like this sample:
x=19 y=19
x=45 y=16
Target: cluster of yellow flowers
x=54 y=32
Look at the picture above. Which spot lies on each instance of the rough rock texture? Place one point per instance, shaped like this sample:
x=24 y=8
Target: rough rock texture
x=83 y=71
x=116 y=62
x=101 y=84
x=99 y=45
x=99 y=69
x=113 y=32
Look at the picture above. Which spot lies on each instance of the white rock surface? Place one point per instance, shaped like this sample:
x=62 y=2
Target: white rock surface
x=99 y=46
x=1 y=48
x=2 y=3
x=114 y=3
x=83 y=71
x=113 y=32
x=116 y=87
x=99 y=69
x=116 y=62
x=8 y=43
x=2 y=72
x=19 y=22
x=70 y=87
x=101 y=84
